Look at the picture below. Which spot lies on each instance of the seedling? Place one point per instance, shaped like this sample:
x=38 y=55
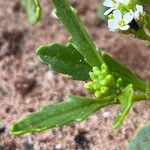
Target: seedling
x=108 y=80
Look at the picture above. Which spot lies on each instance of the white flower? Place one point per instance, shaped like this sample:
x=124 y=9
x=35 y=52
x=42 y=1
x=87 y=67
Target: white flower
x=138 y=12
x=113 y=4
x=119 y=21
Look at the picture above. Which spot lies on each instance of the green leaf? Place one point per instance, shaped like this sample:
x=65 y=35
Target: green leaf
x=73 y=109
x=141 y=140
x=126 y=100
x=65 y=59
x=144 y=1
x=141 y=34
x=33 y=10
x=121 y=71
x=79 y=37
x=147 y=21
x=147 y=92
x=101 y=11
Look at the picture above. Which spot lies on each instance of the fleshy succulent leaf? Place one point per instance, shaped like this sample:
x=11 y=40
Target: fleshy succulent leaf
x=141 y=140
x=73 y=109
x=33 y=10
x=65 y=59
x=79 y=36
x=126 y=100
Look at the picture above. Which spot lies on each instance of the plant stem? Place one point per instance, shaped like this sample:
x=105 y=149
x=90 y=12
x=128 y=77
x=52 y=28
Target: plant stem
x=139 y=97
x=141 y=35
x=136 y=98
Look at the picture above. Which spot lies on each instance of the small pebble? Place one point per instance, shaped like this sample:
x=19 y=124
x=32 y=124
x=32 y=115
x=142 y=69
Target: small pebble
x=1 y=147
x=24 y=84
x=82 y=141
x=2 y=129
x=106 y=114
x=49 y=75
x=30 y=109
x=8 y=109
x=58 y=147
x=28 y=145
x=53 y=14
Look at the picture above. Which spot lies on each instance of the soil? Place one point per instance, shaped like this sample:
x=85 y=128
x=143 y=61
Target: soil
x=26 y=85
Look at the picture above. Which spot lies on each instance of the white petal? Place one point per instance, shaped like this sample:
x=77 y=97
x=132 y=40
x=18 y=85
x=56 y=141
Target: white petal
x=108 y=3
x=136 y=16
x=127 y=18
x=131 y=12
x=139 y=8
x=123 y=1
x=124 y=28
x=107 y=12
x=112 y=24
x=120 y=1
x=117 y=14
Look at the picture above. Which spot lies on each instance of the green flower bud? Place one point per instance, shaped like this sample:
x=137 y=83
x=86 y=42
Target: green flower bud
x=103 y=83
x=89 y=86
x=93 y=76
x=96 y=70
x=96 y=86
x=104 y=90
x=104 y=70
x=119 y=82
x=110 y=16
x=98 y=94
x=109 y=80
x=127 y=6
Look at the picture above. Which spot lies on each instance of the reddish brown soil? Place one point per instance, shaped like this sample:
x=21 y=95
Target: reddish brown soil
x=26 y=85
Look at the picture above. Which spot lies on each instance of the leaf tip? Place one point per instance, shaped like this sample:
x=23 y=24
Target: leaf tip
x=115 y=126
x=37 y=51
x=14 y=129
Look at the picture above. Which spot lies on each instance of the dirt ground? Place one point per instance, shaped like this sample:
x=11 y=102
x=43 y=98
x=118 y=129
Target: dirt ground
x=26 y=85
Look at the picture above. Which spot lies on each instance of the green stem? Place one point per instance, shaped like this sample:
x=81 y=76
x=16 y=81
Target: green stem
x=141 y=35
x=136 y=98
x=144 y=2
x=139 y=97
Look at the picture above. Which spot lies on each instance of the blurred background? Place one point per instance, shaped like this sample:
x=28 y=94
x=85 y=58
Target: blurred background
x=26 y=85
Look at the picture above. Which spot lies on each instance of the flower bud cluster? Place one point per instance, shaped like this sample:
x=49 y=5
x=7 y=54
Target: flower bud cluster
x=103 y=83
